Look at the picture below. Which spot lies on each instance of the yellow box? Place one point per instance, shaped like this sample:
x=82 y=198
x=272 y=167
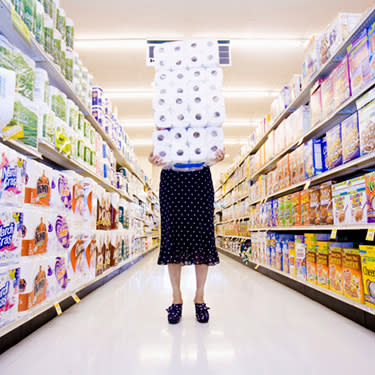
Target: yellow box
x=368 y=274
x=322 y=270
x=352 y=275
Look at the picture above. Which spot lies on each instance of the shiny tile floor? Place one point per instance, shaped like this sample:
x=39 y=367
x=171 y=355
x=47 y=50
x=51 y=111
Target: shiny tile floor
x=257 y=327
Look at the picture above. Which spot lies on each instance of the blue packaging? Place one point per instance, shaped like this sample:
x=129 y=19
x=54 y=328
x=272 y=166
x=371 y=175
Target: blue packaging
x=313 y=155
x=350 y=138
x=334 y=147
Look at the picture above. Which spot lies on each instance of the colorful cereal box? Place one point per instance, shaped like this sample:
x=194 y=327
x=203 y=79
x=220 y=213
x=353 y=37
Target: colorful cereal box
x=335 y=268
x=341 y=82
x=334 y=147
x=305 y=207
x=314 y=205
x=322 y=267
x=370 y=195
x=310 y=241
x=300 y=257
x=350 y=138
x=313 y=158
x=287 y=241
x=371 y=39
x=368 y=274
x=325 y=215
x=366 y=125
x=311 y=60
x=316 y=104
x=292 y=257
x=359 y=63
x=328 y=92
x=279 y=254
x=352 y=273
x=296 y=209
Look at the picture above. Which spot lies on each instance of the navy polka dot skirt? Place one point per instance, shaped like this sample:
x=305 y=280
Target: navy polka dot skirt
x=187 y=218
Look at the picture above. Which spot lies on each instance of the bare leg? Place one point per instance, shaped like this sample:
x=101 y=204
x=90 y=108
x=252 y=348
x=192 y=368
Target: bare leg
x=175 y=277
x=201 y=271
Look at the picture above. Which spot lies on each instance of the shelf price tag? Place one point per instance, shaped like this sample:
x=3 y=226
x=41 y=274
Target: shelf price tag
x=300 y=142
x=370 y=234
x=76 y=298
x=20 y=25
x=333 y=234
x=307 y=185
x=58 y=309
x=256 y=267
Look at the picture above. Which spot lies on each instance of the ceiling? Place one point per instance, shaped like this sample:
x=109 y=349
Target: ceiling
x=267 y=44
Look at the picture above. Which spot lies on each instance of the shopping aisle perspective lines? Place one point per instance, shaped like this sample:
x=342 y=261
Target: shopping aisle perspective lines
x=257 y=326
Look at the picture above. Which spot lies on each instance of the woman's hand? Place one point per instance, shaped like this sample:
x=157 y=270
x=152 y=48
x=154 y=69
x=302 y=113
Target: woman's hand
x=220 y=155
x=155 y=160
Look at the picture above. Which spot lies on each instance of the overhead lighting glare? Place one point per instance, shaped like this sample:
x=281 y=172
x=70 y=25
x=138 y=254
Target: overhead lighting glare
x=227 y=141
x=110 y=43
x=265 y=43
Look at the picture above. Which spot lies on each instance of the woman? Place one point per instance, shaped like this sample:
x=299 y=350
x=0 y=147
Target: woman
x=187 y=231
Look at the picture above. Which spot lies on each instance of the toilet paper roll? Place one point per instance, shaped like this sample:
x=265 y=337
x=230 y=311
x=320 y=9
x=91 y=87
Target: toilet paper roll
x=161 y=103
x=212 y=149
x=177 y=56
x=41 y=85
x=199 y=102
x=199 y=119
x=178 y=136
x=7 y=95
x=197 y=153
x=214 y=135
x=164 y=152
x=196 y=136
x=180 y=77
x=180 y=153
x=216 y=116
x=181 y=119
x=162 y=79
x=215 y=74
x=216 y=99
x=197 y=74
x=161 y=54
x=161 y=137
x=163 y=91
x=197 y=88
x=210 y=50
x=163 y=119
x=179 y=102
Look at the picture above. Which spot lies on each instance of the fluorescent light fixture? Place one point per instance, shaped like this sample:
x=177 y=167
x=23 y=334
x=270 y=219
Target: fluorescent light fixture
x=137 y=93
x=227 y=141
x=110 y=43
x=148 y=123
x=227 y=155
x=269 y=44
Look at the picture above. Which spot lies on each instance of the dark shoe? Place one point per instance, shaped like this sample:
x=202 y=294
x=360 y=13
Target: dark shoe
x=201 y=312
x=174 y=313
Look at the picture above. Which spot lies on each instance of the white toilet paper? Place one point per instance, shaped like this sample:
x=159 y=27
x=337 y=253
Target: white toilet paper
x=161 y=54
x=162 y=78
x=197 y=74
x=197 y=88
x=180 y=153
x=164 y=152
x=214 y=135
x=162 y=119
x=216 y=116
x=41 y=85
x=7 y=96
x=199 y=102
x=179 y=102
x=212 y=149
x=216 y=100
x=199 y=118
x=161 y=103
x=161 y=137
x=210 y=51
x=197 y=153
x=178 y=136
x=196 y=136
x=181 y=119
x=215 y=74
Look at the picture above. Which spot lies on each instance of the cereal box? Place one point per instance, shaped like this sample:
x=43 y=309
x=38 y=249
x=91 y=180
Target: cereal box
x=311 y=60
x=350 y=138
x=326 y=203
x=328 y=96
x=305 y=207
x=297 y=168
x=315 y=205
x=288 y=211
x=313 y=158
x=352 y=274
x=300 y=257
x=292 y=257
x=371 y=39
x=340 y=203
x=359 y=63
x=370 y=196
x=301 y=117
x=287 y=241
x=296 y=209
x=366 y=125
x=322 y=268
x=334 y=147
x=316 y=104
x=9 y=280
x=310 y=241
x=335 y=268
x=341 y=83
x=281 y=211
x=368 y=274
x=295 y=86
x=275 y=212
x=279 y=254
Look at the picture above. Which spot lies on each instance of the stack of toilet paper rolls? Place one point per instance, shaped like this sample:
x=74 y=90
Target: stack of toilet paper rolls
x=188 y=104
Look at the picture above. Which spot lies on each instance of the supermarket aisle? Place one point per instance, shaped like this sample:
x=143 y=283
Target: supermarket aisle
x=257 y=326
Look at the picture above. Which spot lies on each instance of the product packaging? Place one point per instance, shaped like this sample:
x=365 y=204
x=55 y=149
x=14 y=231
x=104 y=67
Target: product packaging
x=334 y=147
x=9 y=280
x=300 y=251
x=350 y=138
x=366 y=124
x=368 y=274
x=352 y=274
x=313 y=158
x=322 y=265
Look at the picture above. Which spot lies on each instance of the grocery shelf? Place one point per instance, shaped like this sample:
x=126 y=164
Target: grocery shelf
x=311 y=227
x=232 y=188
x=236 y=201
x=237 y=219
x=49 y=152
x=229 y=236
x=358 y=312
x=22 y=148
x=14 y=332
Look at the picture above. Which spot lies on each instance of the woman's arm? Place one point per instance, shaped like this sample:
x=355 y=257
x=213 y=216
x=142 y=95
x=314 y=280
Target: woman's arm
x=220 y=155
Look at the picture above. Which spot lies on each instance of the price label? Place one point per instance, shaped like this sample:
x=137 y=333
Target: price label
x=58 y=309
x=370 y=234
x=307 y=185
x=300 y=142
x=256 y=267
x=333 y=234
x=20 y=25
x=76 y=298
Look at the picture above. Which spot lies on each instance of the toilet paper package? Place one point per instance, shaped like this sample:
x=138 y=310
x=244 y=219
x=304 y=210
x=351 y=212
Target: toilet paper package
x=41 y=86
x=57 y=277
x=115 y=202
x=164 y=152
x=103 y=219
x=90 y=257
x=114 y=248
x=11 y=228
x=100 y=252
x=9 y=280
x=198 y=153
x=13 y=177
x=38 y=185
x=7 y=95
x=180 y=153
x=61 y=192
x=61 y=226
x=84 y=202
x=196 y=136
x=33 y=283
x=35 y=231
x=107 y=247
x=161 y=137
x=123 y=214
x=178 y=135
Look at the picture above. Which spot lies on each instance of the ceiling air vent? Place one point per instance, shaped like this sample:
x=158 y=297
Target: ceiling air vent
x=223 y=45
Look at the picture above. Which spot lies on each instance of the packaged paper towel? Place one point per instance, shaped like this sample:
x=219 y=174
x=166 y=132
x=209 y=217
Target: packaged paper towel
x=9 y=280
x=60 y=235
x=61 y=192
x=41 y=86
x=7 y=95
x=57 y=276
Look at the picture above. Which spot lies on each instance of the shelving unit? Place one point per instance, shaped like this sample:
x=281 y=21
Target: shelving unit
x=358 y=312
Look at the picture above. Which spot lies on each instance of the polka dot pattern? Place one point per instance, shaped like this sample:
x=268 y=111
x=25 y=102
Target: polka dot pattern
x=187 y=218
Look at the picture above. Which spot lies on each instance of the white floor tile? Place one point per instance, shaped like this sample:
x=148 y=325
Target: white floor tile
x=257 y=326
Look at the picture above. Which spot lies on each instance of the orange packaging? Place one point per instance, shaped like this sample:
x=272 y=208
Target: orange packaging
x=296 y=208
x=335 y=268
x=326 y=203
x=310 y=241
x=352 y=275
x=315 y=205
x=305 y=207
x=38 y=185
x=322 y=268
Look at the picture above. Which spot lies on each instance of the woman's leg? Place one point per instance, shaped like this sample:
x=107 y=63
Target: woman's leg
x=201 y=271
x=175 y=277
